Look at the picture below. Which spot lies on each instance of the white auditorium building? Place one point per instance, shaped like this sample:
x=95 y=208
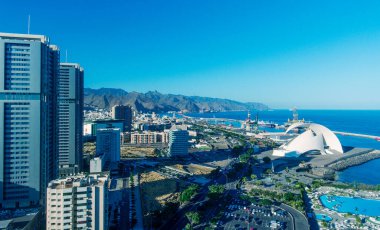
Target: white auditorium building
x=315 y=138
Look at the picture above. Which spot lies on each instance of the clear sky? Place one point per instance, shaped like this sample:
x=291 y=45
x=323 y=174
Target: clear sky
x=310 y=54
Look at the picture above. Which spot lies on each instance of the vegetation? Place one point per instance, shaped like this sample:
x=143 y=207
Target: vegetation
x=193 y=217
x=188 y=193
x=355 y=186
x=215 y=191
x=292 y=199
x=160 y=216
x=267 y=160
x=237 y=150
x=244 y=158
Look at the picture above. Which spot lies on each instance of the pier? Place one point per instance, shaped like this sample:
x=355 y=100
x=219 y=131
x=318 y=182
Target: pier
x=358 y=135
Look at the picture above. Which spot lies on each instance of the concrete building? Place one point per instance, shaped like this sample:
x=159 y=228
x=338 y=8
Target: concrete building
x=28 y=74
x=77 y=203
x=90 y=128
x=144 y=138
x=70 y=118
x=149 y=137
x=178 y=143
x=315 y=138
x=123 y=112
x=97 y=164
x=108 y=144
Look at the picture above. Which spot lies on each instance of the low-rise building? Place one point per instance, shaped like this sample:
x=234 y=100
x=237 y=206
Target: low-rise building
x=149 y=137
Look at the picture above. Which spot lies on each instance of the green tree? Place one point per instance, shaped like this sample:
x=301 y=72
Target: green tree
x=237 y=150
x=268 y=171
x=188 y=193
x=188 y=227
x=244 y=158
x=267 y=160
x=358 y=220
x=215 y=191
x=193 y=217
x=265 y=202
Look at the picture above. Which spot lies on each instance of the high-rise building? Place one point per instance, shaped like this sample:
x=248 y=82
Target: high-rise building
x=77 y=202
x=70 y=118
x=123 y=112
x=28 y=161
x=178 y=143
x=108 y=143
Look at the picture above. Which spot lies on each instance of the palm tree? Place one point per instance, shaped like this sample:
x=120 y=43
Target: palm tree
x=193 y=218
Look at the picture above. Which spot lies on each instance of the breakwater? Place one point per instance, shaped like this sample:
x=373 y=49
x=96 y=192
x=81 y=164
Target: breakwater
x=359 y=159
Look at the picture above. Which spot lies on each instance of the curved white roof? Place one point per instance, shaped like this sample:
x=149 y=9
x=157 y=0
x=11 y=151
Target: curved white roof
x=316 y=137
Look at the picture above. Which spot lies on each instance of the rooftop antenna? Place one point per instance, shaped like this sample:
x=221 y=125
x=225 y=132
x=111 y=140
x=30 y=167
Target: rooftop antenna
x=29 y=24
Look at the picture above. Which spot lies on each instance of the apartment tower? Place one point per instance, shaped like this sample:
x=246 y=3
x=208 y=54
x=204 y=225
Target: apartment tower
x=70 y=118
x=77 y=202
x=28 y=160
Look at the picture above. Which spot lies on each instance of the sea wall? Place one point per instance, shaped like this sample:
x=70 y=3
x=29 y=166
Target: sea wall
x=354 y=160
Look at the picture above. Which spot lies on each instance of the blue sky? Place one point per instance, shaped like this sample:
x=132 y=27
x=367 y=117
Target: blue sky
x=309 y=54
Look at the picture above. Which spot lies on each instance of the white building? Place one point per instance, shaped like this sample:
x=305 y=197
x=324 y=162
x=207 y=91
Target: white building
x=77 y=203
x=97 y=164
x=315 y=138
x=108 y=143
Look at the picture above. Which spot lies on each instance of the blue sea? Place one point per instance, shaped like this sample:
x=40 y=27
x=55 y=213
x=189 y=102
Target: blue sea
x=353 y=121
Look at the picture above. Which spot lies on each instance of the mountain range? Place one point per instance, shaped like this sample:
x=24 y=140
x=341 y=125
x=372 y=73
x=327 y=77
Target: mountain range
x=154 y=101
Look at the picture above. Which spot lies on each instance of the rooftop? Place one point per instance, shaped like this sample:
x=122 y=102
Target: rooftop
x=25 y=37
x=78 y=181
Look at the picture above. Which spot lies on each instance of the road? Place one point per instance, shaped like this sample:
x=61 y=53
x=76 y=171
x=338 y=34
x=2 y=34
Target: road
x=300 y=221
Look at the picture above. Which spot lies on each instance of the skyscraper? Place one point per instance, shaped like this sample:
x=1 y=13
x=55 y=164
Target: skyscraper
x=178 y=143
x=28 y=160
x=123 y=112
x=70 y=118
x=108 y=143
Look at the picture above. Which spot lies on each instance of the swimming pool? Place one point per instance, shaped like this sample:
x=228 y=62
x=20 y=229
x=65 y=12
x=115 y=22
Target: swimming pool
x=320 y=216
x=353 y=205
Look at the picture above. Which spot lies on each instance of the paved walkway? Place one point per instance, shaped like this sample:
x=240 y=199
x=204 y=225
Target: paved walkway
x=300 y=221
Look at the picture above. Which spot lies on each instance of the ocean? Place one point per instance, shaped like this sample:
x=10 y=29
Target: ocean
x=353 y=121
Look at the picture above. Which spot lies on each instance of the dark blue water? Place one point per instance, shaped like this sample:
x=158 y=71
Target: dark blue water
x=353 y=121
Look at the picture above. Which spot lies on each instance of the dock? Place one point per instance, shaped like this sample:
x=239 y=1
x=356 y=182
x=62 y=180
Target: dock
x=358 y=135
